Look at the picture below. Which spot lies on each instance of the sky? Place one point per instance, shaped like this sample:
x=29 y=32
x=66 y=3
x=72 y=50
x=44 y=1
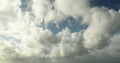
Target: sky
x=59 y=31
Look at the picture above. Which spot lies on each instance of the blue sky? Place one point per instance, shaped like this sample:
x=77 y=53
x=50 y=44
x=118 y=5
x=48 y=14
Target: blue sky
x=70 y=23
x=111 y=4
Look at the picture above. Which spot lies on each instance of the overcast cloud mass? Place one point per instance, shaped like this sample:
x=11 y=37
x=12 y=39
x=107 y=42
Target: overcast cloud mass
x=58 y=31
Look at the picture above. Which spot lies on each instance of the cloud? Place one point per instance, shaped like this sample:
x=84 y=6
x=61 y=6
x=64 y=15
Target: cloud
x=25 y=38
x=73 y=7
x=104 y=24
x=70 y=44
x=44 y=11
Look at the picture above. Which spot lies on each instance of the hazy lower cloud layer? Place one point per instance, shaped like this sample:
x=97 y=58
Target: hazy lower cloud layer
x=25 y=36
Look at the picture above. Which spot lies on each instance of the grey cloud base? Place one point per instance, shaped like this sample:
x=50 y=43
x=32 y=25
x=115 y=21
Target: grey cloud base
x=24 y=39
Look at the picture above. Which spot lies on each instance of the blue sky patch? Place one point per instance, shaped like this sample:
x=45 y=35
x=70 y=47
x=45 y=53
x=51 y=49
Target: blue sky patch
x=70 y=22
x=110 y=4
